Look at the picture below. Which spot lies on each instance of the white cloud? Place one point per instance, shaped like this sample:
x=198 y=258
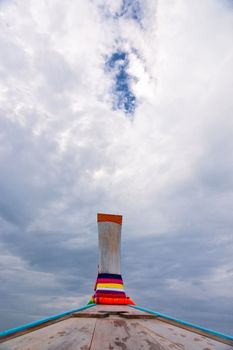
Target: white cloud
x=64 y=153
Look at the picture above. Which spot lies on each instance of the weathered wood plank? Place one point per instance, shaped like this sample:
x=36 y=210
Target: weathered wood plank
x=112 y=332
x=188 y=339
x=32 y=329
x=114 y=308
x=126 y=335
x=70 y=334
x=109 y=247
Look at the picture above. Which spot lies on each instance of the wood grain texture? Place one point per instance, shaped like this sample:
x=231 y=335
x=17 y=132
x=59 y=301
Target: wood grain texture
x=128 y=335
x=71 y=334
x=113 y=331
x=113 y=308
x=109 y=247
x=188 y=339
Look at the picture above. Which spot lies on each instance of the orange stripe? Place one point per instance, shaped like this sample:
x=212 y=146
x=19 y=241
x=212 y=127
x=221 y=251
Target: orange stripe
x=109 y=218
x=112 y=301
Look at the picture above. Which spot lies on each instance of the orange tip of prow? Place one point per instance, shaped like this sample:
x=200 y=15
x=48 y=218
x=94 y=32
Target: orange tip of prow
x=109 y=218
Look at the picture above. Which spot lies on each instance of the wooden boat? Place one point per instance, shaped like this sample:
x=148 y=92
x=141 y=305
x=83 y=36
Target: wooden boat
x=111 y=320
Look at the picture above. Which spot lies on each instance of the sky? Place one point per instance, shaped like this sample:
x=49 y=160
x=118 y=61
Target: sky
x=121 y=107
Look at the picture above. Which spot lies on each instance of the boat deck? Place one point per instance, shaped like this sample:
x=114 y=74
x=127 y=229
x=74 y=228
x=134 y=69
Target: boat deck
x=112 y=327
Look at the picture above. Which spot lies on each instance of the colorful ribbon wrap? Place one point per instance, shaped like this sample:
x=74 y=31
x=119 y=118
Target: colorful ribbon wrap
x=109 y=289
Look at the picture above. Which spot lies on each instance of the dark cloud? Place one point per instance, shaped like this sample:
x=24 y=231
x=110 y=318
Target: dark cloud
x=176 y=275
x=169 y=274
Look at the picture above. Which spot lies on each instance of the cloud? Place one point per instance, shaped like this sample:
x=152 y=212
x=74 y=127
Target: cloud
x=67 y=154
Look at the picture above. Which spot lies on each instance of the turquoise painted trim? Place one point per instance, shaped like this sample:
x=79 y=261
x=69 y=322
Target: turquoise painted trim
x=36 y=323
x=224 y=336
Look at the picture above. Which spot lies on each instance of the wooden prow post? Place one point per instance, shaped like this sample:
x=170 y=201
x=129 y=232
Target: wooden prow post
x=109 y=229
x=109 y=287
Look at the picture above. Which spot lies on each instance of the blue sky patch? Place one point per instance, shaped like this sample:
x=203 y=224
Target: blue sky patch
x=130 y=9
x=123 y=97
